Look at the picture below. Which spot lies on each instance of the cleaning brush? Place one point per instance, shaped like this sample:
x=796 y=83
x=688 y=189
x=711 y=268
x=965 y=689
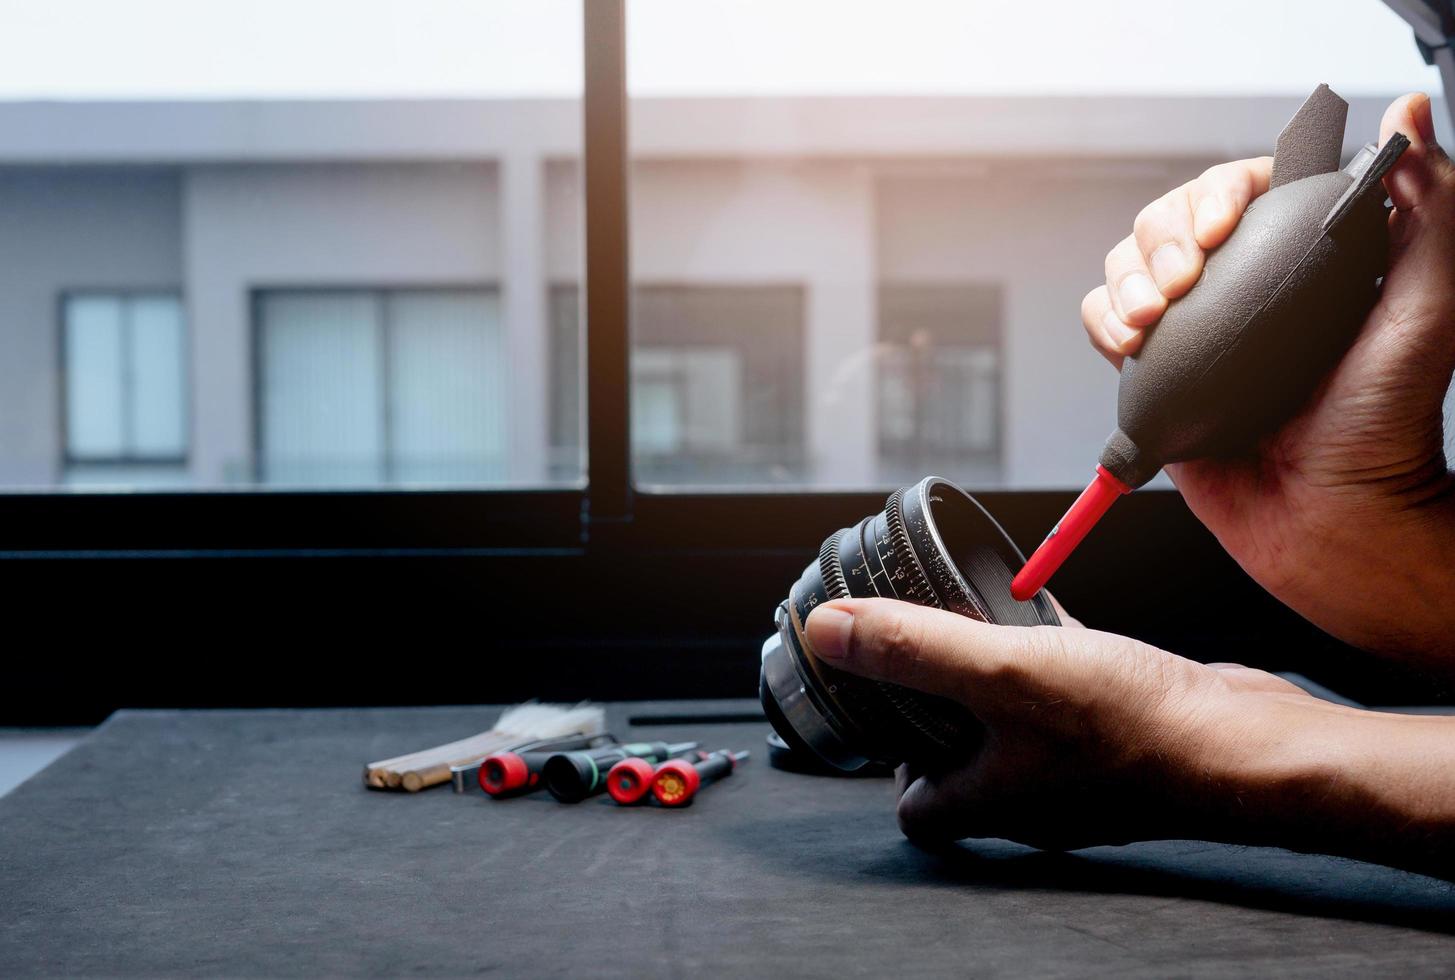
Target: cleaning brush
x=518 y=727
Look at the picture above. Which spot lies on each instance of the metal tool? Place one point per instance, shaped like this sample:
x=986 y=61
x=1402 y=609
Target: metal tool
x=678 y=780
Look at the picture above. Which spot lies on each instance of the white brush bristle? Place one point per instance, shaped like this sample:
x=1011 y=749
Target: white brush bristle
x=537 y=721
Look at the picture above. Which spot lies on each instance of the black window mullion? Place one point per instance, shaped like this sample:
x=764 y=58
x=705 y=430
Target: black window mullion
x=607 y=277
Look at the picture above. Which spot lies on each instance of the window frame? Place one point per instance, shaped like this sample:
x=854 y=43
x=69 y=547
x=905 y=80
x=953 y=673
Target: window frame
x=378 y=291
x=562 y=585
x=67 y=459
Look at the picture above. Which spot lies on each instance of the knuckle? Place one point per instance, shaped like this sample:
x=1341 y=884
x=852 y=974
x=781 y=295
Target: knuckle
x=1044 y=647
x=1153 y=220
x=1118 y=258
x=1025 y=657
x=1221 y=175
x=894 y=646
x=1144 y=221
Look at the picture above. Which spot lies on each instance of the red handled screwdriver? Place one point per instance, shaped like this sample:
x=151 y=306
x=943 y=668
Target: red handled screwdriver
x=513 y=773
x=630 y=780
x=677 y=780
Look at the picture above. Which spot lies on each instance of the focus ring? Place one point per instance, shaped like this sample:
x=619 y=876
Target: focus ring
x=830 y=570
x=911 y=706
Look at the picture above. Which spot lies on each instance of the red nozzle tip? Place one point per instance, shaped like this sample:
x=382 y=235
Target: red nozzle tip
x=630 y=780
x=1094 y=501
x=676 y=782
x=503 y=773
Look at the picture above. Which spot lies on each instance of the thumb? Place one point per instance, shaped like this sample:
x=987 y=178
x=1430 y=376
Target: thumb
x=930 y=650
x=1423 y=171
x=1419 y=288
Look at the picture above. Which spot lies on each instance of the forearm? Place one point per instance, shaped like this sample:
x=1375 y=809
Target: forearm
x=1323 y=778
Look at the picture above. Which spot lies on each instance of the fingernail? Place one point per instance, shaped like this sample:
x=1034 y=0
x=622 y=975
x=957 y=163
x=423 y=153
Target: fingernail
x=1168 y=264
x=829 y=630
x=1138 y=294
x=1210 y=212
x=1121 y=334
x=1424 y=115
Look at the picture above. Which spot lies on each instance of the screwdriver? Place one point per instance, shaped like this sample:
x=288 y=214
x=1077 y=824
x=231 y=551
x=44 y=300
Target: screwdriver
x=677 y=780
x=513 y=773
x=1277 y=306
x=573 y=776
x=508 y=774
x=630 y=780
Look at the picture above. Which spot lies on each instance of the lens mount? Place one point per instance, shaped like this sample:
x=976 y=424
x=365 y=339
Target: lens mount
x=932 y=545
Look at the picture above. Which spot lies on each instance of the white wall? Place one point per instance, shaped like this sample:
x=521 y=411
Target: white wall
x=60 y=230
x=301 y=225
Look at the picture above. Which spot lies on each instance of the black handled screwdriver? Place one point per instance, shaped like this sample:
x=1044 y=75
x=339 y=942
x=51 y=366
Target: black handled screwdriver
x=573 y=776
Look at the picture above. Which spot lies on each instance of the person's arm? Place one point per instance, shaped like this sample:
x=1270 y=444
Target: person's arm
x=1347 y=514
x=1092 y=738
x=1337 y=780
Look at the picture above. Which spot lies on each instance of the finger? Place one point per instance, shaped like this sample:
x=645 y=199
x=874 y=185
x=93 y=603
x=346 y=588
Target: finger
x=1423 y=171
x=931 y=650
x=1163 y=231
x=931 y=812
x=1134 y=296
x=1112 y=338
x=1219 y=197
x=1415 y=332
x=904 y=777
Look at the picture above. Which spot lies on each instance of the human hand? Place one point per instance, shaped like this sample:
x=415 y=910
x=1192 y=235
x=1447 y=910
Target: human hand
x=1090 y=738
x=1347 y=513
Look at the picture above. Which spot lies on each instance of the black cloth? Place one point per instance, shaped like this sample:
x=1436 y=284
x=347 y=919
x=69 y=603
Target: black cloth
x=244 y=843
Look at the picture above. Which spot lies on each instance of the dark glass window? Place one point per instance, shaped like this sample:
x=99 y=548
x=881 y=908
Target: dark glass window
x=939 y=381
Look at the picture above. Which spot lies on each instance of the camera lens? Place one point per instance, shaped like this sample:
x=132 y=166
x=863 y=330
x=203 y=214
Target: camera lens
x=932 y=545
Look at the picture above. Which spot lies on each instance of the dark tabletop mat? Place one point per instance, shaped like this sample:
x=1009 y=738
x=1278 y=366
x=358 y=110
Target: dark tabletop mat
x=243 y=843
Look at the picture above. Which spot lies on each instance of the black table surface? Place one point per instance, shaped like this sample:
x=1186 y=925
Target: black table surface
x=242 y=843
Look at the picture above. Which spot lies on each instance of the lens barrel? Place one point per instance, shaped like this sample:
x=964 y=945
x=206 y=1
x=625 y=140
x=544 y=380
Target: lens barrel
x=932 y=545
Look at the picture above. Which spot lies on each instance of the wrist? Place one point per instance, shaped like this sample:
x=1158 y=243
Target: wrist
x=1246 y=763
x=1300 y=773
x=1405 y=581
x=1381 y=578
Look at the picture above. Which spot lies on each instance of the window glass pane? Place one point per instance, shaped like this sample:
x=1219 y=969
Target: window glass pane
x=714 y=392
x=95 y=411
x=448 y=409
x=320 y=258
x=321 y=389
x=936 y=184
x=939 y=369
x=157 y=360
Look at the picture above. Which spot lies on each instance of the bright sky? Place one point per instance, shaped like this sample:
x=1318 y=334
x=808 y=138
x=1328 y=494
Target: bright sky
x=90 y=49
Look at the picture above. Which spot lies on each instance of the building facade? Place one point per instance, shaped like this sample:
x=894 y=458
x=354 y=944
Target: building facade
x=827 y=292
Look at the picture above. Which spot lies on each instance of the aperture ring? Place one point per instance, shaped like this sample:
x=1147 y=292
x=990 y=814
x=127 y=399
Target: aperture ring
x=916 y=585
